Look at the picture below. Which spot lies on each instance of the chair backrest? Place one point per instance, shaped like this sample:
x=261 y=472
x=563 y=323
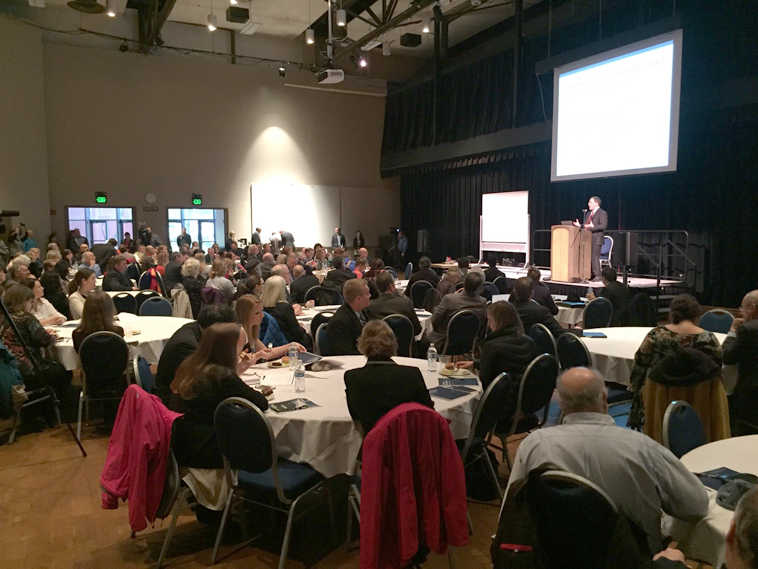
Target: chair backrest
x=133 y=271
x=462 y=329
x=640 y=311
x=104 y=357
x=171 y=487
x=489 y=290
x=575 y=520
x=544 y=339
x=392 y=271
x=488 y=411
x=536 y=389
x=598 y=313
x=418 y=292
x=716 y=320
x=408 y=269
x=125 y=302
x=682 y=428
x=572 y=352
x=156 y=306
x=607 y=247
x=142 y=296
x=245 y=438
x=323 y=296
x=403 y=329
x=142 y=374
x=319 y=319
x=321 y=341
x=501 y=283
x=144 y=281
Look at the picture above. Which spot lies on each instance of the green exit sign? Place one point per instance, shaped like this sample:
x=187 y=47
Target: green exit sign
x=197 y=199
x=101 y=198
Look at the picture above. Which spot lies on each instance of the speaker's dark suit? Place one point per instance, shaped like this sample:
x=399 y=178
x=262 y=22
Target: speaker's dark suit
x=599 y=221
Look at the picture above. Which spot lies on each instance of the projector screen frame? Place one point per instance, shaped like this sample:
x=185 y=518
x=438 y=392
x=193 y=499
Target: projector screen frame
x=674 y=35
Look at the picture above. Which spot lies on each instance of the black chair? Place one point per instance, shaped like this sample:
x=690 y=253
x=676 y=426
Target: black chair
x=486 y=416
x=174 y=500
x=403 y=330
x=44 y=394
x=572 y=352
x=462 y=329
x=716 y=320
x=418 y=292
x=318 y=320
x=682 y=428
x=488 y=290
x=155 y=306
x=142 y=296
x=323 y=296
x=544 y=339
x=125 y=302
x=641 y=311
x=502 y=284
x=598 y=313
x=321 y=341
x=133 y=271
x=104 y=357
x=246 y=442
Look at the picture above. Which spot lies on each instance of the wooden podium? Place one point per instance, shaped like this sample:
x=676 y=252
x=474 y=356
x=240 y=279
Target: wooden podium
x=570 y=253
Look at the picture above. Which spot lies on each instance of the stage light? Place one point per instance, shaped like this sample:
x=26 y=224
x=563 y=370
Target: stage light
x=341 y=18
x=111 y=9
x=282 y=70
x=212 y=23
x=427 y=27
x=310 y=36
x=363 y=62
x=233 y=2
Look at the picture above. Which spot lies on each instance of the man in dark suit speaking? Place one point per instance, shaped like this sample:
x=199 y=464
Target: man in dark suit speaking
x=596 y=221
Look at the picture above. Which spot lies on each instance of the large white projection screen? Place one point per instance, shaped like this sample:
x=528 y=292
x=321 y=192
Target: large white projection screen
x=617 y=112
x=505 y=222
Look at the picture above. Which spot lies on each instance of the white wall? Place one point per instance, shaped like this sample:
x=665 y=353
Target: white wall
x=23 y=146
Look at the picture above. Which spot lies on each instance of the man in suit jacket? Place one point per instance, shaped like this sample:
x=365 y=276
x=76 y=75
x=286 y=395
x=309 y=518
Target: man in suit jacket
x=741 y=348
x=173 y=274
x=466 y=298
x=288 y=240
x=530 y=311
x=424 y=273
x=345 y=326
x=339 y=275
x=338 y=239
x=115 y=278
x=540 y=291
x=596 y=221
x=390 y=302
x=255 y=238
x=381 y=385
x=303 y=281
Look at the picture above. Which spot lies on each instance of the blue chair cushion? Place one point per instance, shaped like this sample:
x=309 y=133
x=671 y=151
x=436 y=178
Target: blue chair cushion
x=294 y=477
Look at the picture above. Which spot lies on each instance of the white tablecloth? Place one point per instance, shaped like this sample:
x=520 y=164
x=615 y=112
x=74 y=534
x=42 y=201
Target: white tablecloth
x=325 y=436
x=614 y=356
x=704 y=540
x=154 y=331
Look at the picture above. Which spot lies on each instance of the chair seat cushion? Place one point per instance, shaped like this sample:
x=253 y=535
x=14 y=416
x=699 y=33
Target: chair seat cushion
x=294 y=477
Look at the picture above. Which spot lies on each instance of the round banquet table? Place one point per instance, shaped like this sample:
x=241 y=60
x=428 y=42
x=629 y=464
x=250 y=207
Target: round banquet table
x=614 y=356
x=325 y=436
x=704 y=540
x=154 y=331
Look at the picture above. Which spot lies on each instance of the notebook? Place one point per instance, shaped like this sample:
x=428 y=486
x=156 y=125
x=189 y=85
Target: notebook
x=449 y=392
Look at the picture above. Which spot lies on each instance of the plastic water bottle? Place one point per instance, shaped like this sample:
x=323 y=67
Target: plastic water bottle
x=299 y=377
x=292 y=354
x=432 y=358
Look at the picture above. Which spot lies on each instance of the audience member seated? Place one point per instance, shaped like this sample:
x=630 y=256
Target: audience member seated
x=275 y=303
x=424 y=273
x=449 y=281
x=250 y=285
x=204 y=380
x=304 y=279
x=390 y=302
x=65 y=264
x=381 y=385
x=18 y=271
x=346 y=324
x=83 y=283
x=35 y=264
x=337 y=277
x=249 y=310
x=540 y=291
x=741 y=348
x=463 y=266
x=53 y=286
x=104 y=251
x=97 y=317
x=116 y=279
x=88 y=262
x=492 y=271
x=679 y=361
x=741 y=550
x=153 y=277
x=218 y=280
x=377 y=266
x=41 y=307
x=193 y=282
x=642 y=477
x=184 y=342
x=529 y=311
x=173 y=271
x=281 y=270
x=506 y=348
x=617 y=293
x=467 y=298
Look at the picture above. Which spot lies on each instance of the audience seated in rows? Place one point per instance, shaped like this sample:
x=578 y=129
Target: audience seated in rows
x=680 y=361
x=424 y=273
x=390 y=301
x=529 y=311
x=41 y=307
x=640 y=476
x=79 y=287
x=88 y=262
x=337 y=277
x=251 y=284
x=467 y=298
x=540 y=291
x=381 y=384
x=217 y=280
x=275 y=303
x=345 y=326
x=377 y=266
x=115 y=278
x=447 y=284
x=303 y=280
x=492 y=271
x=97 y=316
x=741 y=348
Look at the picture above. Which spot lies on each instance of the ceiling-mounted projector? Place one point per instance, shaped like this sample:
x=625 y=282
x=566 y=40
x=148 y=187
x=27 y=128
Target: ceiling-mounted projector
x=328 y=76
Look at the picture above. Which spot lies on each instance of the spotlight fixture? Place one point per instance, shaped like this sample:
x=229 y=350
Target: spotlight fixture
x=310 y=36
x=363 y=62
x=212 y=23
x=233 y=2
x=386 y=49
x=341 y=18
x=427 y=27
x=111 y=9
x=282 y=70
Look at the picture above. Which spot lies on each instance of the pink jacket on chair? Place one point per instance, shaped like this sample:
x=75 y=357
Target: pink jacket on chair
x=413 y=489
x=135 y=468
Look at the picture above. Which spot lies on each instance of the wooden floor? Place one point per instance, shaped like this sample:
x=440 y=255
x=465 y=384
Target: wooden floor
x=50 y=517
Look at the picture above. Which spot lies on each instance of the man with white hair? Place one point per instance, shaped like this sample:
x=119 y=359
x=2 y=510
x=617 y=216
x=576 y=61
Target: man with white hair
x=741 y=348
x=642 y=477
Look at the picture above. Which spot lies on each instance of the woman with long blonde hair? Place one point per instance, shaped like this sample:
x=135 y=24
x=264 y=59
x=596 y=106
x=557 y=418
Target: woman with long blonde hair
x=275 y=303
x=249 y=309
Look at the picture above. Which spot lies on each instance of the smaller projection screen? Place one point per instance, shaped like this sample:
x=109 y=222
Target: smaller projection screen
x=505 y=222
x=617 y=113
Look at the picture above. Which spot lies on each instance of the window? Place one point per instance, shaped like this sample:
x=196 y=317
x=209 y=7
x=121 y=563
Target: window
x=98 y=224
x=206 y=226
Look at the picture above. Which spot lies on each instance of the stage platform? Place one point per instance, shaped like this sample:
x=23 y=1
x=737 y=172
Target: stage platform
x=632 y=282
